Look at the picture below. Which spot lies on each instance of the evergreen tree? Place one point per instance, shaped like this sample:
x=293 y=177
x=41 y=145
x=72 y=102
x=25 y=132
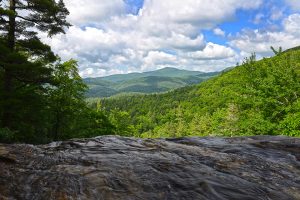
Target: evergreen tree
x=276 y=52
x=25 y=62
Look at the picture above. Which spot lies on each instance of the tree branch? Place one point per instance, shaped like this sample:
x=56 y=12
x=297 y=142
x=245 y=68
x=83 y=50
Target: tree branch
x=30 y=20
x=24 y=7
x=3 y=21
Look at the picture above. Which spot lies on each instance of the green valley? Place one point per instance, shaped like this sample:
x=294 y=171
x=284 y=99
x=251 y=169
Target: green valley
x=157 y=81
x=255 y=98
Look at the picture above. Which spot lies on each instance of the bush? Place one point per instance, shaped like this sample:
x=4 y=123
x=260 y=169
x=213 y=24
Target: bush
x=6 y=135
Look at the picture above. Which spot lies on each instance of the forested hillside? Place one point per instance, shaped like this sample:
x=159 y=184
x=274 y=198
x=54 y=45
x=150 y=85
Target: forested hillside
x=161 y=80
x=255 y=98
x=42 y=98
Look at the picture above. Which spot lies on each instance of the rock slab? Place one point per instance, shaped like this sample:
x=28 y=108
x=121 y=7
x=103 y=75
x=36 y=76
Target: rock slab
x=112 y=167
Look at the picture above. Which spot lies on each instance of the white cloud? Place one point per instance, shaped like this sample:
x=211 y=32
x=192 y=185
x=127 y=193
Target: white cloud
x=259 y=41
x=219 y=32
x=204 y=13
x=105 y=39
x=292 y=24
x=93 y=11
x=213 y=52
x=156 y=59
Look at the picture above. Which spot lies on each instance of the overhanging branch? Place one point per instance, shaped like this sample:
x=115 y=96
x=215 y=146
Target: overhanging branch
x=27 y=19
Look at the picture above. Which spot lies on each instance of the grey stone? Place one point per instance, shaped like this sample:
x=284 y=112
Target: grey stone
x=111 y=167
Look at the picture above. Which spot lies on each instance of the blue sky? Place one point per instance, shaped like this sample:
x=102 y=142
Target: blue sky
x=122 y=36
x=134 y=6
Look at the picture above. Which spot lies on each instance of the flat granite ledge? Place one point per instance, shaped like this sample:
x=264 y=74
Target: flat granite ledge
x=113 y=167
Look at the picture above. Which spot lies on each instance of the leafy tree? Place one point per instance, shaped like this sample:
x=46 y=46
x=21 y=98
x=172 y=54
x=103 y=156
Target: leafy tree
x=67 y=98
x=93 y=123
x=290 y=125
x=121 y=122
x=70 y=115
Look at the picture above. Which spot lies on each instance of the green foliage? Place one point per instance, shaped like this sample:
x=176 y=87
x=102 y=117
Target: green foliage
x=290 y=125
x=69 y=114
x=26 y=64
x=7 y=135
x=255 y=98
x=92 y=123
x=66 y=98
x=121 y=121
x=59 y=113
x=41 y=99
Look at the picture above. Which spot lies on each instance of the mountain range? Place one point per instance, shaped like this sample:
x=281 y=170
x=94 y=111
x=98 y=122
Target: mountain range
x=161 y=80
x=255 y=98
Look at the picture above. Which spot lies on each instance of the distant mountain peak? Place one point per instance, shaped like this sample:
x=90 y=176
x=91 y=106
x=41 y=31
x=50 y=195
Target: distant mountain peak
x=168 y=68
x=160 y=80
x=172 y=72
x=174 y=69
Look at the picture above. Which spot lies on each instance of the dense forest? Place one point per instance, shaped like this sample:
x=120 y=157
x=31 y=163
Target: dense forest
x=255 y=98
x=161 y=80
x=42 y=97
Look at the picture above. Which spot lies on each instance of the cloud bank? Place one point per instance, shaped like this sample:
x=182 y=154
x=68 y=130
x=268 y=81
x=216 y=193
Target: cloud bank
x=108 y=38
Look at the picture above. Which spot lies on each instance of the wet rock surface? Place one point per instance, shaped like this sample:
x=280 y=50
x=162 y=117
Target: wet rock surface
x=125 y=168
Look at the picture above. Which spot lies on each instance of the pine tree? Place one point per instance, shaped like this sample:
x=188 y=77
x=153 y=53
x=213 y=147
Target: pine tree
x=25 y=62
x=275 y=51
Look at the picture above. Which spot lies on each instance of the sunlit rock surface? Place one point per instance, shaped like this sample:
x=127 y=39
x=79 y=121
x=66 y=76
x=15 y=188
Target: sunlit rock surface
x=123 y=168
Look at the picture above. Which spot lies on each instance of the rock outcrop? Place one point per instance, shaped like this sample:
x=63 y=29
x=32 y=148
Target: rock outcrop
x=114 y=168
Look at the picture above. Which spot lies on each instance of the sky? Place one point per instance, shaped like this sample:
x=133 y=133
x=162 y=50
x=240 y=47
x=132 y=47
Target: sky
x=124 y=36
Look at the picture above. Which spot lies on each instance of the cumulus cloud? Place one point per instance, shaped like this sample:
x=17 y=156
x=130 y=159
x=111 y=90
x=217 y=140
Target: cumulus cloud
x=107 y=39
x=259 y=41
x=158 y=59
x=292 y=24
x=86 y=12
x=219 y=32
x=213 y=52
x=203 y=13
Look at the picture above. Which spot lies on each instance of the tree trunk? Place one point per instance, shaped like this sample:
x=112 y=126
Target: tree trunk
x=56 y=126
x=7 y=84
